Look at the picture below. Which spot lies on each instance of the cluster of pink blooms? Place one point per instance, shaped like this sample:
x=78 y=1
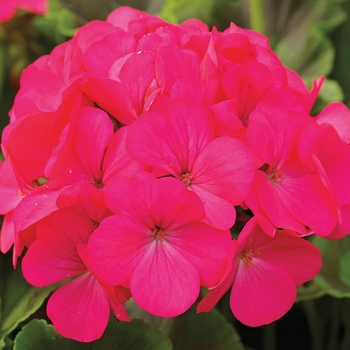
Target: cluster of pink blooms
x=136 y=146
x=8 y=8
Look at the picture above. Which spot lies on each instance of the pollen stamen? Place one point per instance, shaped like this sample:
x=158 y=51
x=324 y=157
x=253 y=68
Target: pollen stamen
x=186 y=178
x=158 y=233
x=247 y=256
x=275 y=175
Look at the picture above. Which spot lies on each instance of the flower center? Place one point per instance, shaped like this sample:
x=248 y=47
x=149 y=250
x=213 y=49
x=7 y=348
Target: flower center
x=158 y=233
x=186 y=178
x=247 y=256
x=276 y=174
x=272 y=174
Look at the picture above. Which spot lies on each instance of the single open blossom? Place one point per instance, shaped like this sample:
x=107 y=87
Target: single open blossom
x=156 y=244
x=79 y=157
x=181 y=141
x=264 y=270
x=287 y=190
x=322 y=146
x=79 y=309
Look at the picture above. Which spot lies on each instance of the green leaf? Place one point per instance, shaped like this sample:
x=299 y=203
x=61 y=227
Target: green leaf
x=6 y=344
x=309 y=291
x=330 y=278
x=18 y=299
x=88 y=10
x=208 y=331
x=135 y=335
x=189 y=331
x=331 y=91
x=304 y=46
x=66 y=23
x=38 y=335
x=341 y=70
x=177 y=11
x=310 y=58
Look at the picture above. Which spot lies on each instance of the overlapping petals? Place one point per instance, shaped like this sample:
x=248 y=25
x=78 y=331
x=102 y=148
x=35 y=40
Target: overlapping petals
x=276 y=263
x=156 y=244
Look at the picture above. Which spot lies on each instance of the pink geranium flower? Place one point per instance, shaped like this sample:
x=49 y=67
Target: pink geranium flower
x=323 y=148
x=264 y=270
x=181 y=141
x=157 y=245
x=287 y=190
x=79 y=309
x=98 y=159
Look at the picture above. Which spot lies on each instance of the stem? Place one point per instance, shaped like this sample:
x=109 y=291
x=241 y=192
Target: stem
x=269 y=337
x=334 y=325
x=257 y=17
x=312 y=316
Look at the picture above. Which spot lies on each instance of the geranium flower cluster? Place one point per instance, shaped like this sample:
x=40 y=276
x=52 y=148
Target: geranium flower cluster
x=8 y=8
x=132 y=147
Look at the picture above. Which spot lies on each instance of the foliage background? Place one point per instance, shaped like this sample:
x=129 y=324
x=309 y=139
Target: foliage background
x=311 y=37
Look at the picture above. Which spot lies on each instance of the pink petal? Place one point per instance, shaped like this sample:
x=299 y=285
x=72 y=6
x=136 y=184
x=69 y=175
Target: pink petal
x=90 y=150
x=101 y=54
x=337 y=115
x=193 y=90
x=112 y=97
x=30 y=144
x=307 y=199
x=9 y=188
x=189 y=128
x=284 y=249
x=47 y=262
x=225 y=167
x=115 y=302
x=297 y=256
x=123 y=15
x=272 y=127
x=207 y=248
x=226 y=112
x=173 y=64
x=164 y=283
x=116 y=160
x=342 y=228
x=7 y=233
x=79 y=310
x=116 y=247
x=136 y=76
x=219 y=212
x=116 y=294
x=273 y=206
x=121 y=196
x=258 y=306
x=35 y=206
x=218 y=291
x=334 y=155
x=86 y=198
x=173 y=204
